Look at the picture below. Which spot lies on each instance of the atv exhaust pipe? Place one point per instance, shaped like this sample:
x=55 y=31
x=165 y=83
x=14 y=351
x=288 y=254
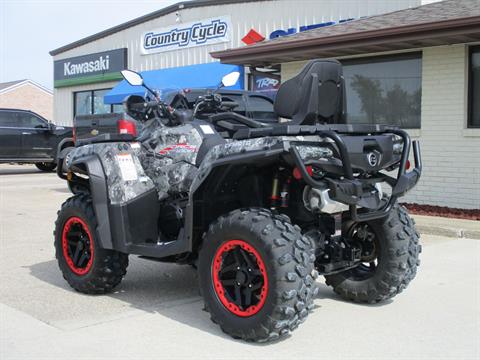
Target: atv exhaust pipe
x=318 y=200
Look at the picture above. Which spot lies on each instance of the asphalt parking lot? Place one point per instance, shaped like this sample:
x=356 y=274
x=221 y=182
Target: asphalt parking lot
x=157 y=313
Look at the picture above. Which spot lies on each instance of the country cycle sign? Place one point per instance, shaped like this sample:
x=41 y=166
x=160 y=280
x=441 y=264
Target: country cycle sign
x=186 y=35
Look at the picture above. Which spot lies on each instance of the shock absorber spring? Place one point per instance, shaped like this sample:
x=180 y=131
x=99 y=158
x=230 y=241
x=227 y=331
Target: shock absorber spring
x=274 y=197
x=284 y=194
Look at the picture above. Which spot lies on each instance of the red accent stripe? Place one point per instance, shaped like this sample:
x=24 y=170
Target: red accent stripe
x=175 y=146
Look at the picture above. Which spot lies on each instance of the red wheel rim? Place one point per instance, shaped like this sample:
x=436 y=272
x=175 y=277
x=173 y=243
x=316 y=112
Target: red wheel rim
x=240 y=278
x=77 y=245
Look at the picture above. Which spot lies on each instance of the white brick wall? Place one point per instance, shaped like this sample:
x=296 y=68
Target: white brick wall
x=450 y=152
x=451 y=175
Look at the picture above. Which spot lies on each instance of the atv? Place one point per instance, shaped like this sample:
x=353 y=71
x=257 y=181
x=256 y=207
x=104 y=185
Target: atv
x=260 y=210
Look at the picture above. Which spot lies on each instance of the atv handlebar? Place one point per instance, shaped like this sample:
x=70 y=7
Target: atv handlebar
x=349 y=190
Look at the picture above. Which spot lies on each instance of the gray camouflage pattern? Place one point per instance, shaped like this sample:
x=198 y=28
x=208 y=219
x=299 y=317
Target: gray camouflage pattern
x=180 y=143
x=308 y=152
x=119 y=190
x=169 y=177
x=170 y=163
x=166 y=161
x=232 y=147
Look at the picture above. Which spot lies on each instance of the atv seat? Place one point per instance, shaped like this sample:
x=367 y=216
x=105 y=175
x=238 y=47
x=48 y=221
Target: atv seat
x=315 y=95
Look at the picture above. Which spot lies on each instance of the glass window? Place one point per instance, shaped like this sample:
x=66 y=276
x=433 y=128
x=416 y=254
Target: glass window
x=83 y=103
x=9 y=119
x=91 y=102
x=99 y=107
x=384 y=90
x=117 y=108
x=474 y=96
x=30 y=121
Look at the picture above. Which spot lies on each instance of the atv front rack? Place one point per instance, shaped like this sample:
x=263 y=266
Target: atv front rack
x=348 y=189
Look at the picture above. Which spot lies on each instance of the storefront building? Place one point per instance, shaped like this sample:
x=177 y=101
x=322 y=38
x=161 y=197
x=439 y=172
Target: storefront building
x=174 y=44
x=417 y=68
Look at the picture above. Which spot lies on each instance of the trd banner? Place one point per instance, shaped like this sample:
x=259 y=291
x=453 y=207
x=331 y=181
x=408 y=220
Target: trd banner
x=268 y=84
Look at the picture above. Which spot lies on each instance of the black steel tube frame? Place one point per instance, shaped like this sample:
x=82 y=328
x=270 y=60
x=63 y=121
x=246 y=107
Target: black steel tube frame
x=401 y=184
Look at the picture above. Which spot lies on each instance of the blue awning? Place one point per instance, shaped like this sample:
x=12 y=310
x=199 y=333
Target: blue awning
x=193 y=76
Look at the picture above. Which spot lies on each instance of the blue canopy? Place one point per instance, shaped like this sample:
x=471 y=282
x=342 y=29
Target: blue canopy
x=193 y=76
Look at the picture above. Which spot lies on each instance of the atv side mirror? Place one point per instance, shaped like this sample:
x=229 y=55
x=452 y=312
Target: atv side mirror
x=132 y=77
x=230 y=79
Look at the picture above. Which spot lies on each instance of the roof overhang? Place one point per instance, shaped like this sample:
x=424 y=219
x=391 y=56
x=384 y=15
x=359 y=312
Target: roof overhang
x=447 y=32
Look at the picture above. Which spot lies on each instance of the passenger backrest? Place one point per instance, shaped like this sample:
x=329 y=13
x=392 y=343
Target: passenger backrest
x=315 y=95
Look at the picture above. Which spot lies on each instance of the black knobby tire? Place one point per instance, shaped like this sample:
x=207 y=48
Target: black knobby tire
x=45 y=166
x=397 y=262
x=288 y=259
x=106 y=268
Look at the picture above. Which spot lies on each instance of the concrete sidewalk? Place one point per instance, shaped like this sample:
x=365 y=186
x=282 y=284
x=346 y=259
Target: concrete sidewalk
x=156 y=312
x=449 y=227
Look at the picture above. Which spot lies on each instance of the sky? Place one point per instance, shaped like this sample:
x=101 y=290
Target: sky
x=29 y=29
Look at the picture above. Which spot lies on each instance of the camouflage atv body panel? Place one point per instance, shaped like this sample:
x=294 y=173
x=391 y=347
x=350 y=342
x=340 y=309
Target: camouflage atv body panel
x=121 y=189
x=166 y=162
x=234 y=147
x=167 y=159
x=170 y=161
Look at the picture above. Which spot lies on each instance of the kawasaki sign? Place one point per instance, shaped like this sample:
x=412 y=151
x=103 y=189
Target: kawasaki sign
x=199 y=33
x=87 y=69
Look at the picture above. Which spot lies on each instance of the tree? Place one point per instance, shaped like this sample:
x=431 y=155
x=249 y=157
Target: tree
x=370 y=93
x=397 y=106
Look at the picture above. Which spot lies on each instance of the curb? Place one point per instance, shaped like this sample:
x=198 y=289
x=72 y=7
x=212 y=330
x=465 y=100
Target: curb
x=435 y=226
x=448 y=232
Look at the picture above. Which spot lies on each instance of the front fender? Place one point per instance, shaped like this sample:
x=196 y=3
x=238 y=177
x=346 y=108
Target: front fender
x=101 y=166
x=98 y=190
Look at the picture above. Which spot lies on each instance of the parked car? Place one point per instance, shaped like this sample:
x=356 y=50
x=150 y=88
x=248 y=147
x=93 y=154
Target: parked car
x=28 y=138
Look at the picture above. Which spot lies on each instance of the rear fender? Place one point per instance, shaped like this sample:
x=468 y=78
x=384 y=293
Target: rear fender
x=196 y=218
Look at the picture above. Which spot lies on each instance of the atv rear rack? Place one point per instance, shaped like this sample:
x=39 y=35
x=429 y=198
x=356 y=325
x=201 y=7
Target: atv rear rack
x=348 y=189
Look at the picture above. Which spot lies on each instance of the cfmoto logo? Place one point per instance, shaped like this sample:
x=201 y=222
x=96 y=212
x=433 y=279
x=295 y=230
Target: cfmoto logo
x=372 y=159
